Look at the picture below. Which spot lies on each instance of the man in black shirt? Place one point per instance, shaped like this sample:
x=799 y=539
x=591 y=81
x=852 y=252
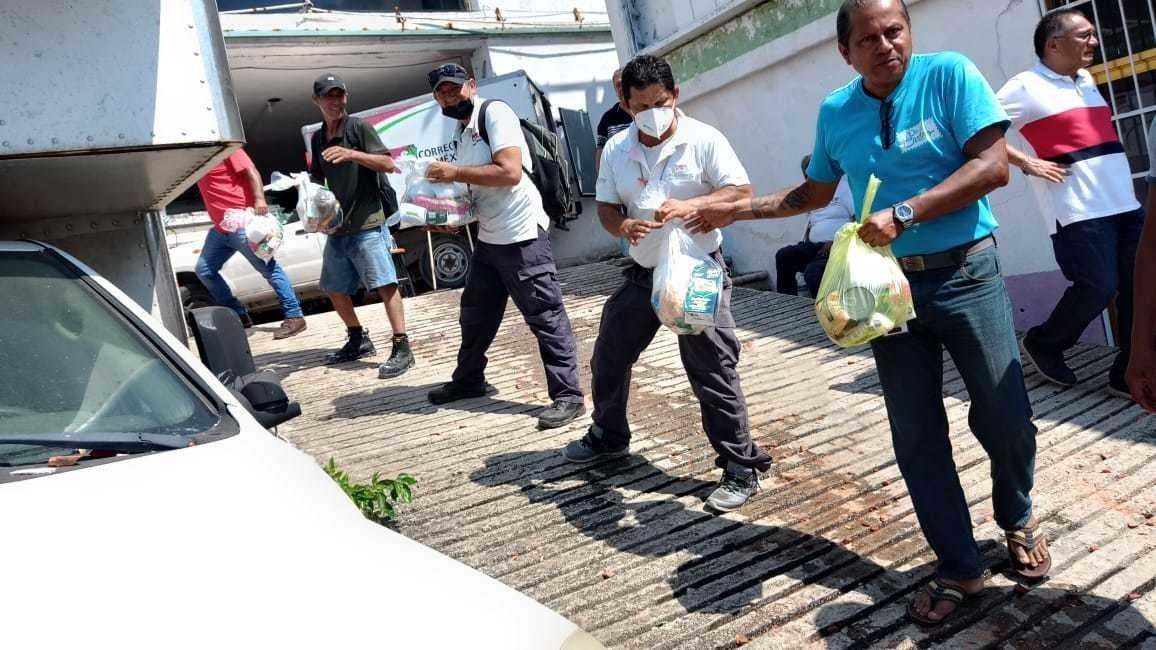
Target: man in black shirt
x=347 y=155
x=614 y=120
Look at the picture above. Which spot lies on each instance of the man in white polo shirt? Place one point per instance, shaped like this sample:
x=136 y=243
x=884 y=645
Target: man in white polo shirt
x=513 y=258
x=1084 y=188
x=653 y=176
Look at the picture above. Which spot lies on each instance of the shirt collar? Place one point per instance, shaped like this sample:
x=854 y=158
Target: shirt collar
x=1047 y=72
x=678 y=139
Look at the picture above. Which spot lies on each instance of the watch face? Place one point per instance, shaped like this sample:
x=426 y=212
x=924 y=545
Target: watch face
x=904 y=212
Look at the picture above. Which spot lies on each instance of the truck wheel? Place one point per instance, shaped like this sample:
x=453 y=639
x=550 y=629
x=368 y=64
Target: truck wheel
x=195 y=296
x=451 y=261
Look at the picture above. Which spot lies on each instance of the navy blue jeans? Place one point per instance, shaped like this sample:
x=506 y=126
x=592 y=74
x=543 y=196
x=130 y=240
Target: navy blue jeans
x=1097 y=257
x=965 y=310
x=217 y=250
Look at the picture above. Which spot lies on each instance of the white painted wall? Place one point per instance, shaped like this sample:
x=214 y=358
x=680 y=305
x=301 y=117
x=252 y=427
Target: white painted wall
x=644 y=24
x=573 y=72
x=766 y=102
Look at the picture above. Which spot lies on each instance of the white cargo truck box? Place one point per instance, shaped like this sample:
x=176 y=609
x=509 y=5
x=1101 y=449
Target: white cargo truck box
x=113 y=108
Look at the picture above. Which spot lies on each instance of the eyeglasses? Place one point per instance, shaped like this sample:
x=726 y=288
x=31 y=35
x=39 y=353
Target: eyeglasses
x=885 y=133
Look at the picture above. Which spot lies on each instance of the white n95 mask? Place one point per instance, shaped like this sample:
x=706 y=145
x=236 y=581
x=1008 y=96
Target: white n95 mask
x=655 y=121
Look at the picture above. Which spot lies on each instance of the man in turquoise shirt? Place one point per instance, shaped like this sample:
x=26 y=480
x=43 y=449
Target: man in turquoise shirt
x=931 y=128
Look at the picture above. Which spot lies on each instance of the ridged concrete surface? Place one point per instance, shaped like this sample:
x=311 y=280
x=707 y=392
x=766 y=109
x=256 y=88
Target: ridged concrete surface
x=826 y=555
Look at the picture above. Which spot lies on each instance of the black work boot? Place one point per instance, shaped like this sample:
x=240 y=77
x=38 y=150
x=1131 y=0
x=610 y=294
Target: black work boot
x=356 y=346
x=400 y=360
x=560 y=413
x=590 y=448
x=451 y=392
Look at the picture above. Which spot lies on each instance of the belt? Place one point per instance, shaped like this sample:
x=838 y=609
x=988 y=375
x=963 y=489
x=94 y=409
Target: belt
x=948 y=258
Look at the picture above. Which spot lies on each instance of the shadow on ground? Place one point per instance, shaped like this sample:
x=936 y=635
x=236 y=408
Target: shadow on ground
x=738 y=567
x=395 y=399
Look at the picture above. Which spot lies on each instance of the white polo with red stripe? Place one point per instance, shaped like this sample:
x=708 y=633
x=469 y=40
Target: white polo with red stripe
x=1067 y=121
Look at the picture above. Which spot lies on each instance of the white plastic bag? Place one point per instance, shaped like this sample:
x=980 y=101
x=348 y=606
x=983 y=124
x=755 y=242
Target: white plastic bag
x=317 y=207
x=651 y=247
x=263 y=232
x=426 y=203
x=687 y=285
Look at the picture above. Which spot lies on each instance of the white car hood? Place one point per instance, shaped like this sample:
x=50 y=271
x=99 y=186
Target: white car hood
x=238 y=543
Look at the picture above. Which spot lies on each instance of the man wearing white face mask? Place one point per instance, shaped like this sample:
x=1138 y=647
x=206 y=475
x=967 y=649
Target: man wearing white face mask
x=653 y=176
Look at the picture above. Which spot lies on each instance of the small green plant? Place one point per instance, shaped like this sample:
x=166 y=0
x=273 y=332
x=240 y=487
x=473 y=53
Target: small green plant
x=375 y=499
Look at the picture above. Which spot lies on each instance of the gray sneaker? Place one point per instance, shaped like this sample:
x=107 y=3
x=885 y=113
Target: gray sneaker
x=589 y=448
x=738 y=484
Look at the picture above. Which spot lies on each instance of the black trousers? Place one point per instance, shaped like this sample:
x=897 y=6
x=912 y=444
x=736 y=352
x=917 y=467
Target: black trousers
x=804 y=256
x=526 y=273
x=710 y=359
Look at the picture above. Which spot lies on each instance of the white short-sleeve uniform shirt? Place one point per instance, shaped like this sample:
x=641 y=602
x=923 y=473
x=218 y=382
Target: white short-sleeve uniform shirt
x=694 y=161
x=506 y=215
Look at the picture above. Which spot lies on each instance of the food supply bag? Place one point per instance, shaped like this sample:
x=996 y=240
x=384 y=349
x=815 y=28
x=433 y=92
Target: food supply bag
x=687 y=284
x=263 y=231
x=863 y=294
x=426 y=203
x=317 y=207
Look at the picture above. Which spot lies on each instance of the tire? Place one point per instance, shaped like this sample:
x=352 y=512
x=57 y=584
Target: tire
x=451 y=257
x=194 y=295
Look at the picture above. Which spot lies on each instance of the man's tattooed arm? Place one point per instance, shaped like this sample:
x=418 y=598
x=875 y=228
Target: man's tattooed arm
x=807 y=196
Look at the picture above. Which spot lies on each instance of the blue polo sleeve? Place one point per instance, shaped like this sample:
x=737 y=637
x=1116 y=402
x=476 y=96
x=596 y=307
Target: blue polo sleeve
x=823 y=167
x=970 y=105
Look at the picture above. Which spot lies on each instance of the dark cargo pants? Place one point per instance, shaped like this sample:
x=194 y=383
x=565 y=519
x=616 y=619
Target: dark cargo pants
x=526 y=273
x=710 y=359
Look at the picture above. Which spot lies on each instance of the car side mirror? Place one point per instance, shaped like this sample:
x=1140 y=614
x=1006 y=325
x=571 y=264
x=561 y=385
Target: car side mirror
x=221 y=341
x=224 y=349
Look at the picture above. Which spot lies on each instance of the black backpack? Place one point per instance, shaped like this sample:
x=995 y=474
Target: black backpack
x=552 y=175
x=353 y=139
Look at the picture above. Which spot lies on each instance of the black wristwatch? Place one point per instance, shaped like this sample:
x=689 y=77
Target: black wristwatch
x=904 y=214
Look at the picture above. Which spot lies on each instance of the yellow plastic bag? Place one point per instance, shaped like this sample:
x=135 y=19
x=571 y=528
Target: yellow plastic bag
x=863 y=294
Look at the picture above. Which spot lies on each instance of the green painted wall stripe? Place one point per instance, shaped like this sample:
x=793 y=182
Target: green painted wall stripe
x=746 y=32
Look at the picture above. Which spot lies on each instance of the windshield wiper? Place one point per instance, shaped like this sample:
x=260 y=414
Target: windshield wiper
x=127 y=442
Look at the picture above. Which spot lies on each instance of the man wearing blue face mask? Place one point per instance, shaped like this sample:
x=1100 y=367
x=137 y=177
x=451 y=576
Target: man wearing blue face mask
x=660 y=170
x=513 y=259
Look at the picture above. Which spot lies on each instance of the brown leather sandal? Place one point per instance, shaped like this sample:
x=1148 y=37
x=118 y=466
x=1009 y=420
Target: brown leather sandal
x=938 y=592
x=1028 y=539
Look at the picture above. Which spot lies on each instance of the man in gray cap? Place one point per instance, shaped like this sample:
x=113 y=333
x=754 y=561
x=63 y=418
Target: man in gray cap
x=348 y=156
x=513 y=257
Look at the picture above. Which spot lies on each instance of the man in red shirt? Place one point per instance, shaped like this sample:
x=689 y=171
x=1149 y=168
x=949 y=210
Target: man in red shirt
x=235 y=183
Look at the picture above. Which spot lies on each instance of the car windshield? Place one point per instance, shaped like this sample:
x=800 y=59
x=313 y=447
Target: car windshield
x=75 y=367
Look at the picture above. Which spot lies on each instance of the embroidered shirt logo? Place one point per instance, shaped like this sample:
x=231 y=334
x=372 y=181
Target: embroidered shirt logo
x=918 y=135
